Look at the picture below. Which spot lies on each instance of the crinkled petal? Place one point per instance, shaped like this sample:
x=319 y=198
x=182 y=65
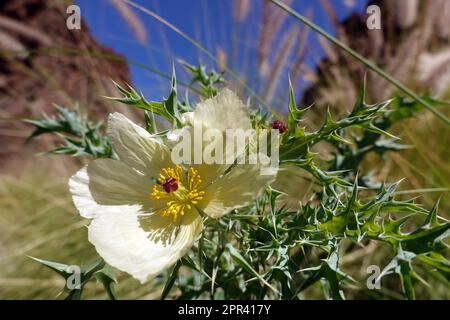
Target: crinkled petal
x=208 y=173
x=120 y=239
x=235 y=189
x=135 y=146
x=224 y=111
x=105 y=183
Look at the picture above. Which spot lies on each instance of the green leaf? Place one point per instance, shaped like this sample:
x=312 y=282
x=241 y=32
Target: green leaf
x=328 y=270
x=429 y=236
x=294 y=115
x=80 y=136
x=88 y=270
x=107 y=278
x=401 y=265
x=59 y=268
x=150 y=124
x=171 y=280
x=97 y=270
x=438 y=261
x=208 y=81
x=171 y=103
x=242 y=262
x=135 y=99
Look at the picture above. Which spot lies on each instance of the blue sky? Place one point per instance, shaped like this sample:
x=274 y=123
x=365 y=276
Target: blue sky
x=208 y=21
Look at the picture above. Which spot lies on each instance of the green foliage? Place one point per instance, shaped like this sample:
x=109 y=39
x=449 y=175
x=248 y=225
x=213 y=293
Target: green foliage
x=348 y=156
x=266 y=250
x=273 y=246
x=97 y=271
x=167 y=109
x=207 y=81
x=81 y=137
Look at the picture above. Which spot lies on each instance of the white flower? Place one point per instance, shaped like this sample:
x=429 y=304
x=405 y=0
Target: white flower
x=145 y=210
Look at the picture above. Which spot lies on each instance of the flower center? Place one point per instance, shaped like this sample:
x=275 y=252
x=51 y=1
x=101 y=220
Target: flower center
x=171 y=184
x=179 y=190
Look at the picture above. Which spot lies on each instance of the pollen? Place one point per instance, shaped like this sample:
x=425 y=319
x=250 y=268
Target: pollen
x=179 y=189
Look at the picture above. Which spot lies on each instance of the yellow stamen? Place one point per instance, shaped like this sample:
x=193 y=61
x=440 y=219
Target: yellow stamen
x=187 y=194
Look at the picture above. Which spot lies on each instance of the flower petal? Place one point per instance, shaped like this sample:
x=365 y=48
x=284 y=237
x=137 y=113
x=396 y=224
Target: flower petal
x=235 y=189
x=224 y=111
x=104 y=183
x=121 y=240
x=209 y=172
x=135 y=146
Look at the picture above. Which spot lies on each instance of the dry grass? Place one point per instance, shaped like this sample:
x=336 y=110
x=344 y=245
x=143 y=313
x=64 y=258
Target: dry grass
x=132 y=19
x=37 y=218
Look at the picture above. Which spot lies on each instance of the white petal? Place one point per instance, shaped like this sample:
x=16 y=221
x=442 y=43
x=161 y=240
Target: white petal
x=135 y=146
x=120 y=239
x=224 y=111
x=236 y=189
x=208 y=173
x=105 y=183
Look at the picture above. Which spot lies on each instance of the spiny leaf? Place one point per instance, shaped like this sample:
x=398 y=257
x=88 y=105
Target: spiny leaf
x=135 y=99
x=171 y=103
x=294 y=114
x=81 y=137
x=438 y=261
x=60 y=268
x=208 y=81
x=171 y=280
x=329 y=270
x=242 y=262
x=401 y=265
x=107 y=278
